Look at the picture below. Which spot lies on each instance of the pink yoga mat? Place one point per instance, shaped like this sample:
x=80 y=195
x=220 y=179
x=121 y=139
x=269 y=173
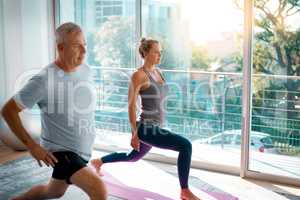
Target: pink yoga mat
x=117 y=188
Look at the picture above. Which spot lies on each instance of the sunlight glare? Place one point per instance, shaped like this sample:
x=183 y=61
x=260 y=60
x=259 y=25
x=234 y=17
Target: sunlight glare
x=210 y=19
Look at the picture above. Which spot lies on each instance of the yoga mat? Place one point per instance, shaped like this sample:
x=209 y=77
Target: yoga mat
x=143 y=181
x=132 y=181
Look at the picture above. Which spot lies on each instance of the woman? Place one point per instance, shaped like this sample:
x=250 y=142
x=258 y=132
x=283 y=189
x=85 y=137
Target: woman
x=149 y=83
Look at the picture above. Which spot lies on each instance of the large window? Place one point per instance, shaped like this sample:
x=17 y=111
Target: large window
x=202 y=62
x=204 y=100
x=276 y=82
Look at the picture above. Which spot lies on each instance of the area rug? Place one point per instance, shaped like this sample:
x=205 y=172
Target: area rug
x=19 y=175
x=138 y=181
x=289 y=196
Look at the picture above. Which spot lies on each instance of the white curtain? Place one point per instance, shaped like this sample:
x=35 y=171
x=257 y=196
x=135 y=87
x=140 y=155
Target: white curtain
x=2 y=71
x=26 y=41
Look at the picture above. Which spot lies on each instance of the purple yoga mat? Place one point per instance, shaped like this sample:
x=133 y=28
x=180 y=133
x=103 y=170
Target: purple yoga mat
x=121 y=190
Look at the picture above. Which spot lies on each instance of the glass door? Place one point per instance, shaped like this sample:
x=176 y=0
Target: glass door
x=274 y=136
x=202 y=63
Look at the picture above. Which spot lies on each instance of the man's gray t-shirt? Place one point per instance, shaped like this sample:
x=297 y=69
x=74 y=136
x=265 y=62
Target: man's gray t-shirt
x=67 y=102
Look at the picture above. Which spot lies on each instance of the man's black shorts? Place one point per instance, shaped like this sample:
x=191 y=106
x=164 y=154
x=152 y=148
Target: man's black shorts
x=68 y=163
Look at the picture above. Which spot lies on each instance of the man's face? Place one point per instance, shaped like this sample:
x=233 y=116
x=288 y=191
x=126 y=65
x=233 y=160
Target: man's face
x=73 y=49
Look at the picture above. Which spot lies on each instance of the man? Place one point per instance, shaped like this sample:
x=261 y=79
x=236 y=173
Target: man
x=64 y=94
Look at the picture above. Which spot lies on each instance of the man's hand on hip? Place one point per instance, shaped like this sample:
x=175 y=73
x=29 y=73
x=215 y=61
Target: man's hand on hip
x=40 y=154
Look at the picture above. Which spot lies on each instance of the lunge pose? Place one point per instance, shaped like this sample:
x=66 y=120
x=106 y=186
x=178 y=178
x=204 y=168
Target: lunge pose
x=148 y=82
x=64 y=94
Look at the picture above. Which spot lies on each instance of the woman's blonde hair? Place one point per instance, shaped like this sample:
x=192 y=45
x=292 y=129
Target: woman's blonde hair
x=146 y=45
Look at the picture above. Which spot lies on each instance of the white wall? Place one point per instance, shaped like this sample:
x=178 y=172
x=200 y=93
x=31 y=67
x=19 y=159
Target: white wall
x=27 y=36
x=35 y=33
x=12 y=32
x=2 y=61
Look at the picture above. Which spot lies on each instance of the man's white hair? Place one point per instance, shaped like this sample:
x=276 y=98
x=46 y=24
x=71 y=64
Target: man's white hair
x=63 y=30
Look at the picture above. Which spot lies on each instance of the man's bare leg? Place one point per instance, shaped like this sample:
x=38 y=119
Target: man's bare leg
x=54 y=189
x=90 y=182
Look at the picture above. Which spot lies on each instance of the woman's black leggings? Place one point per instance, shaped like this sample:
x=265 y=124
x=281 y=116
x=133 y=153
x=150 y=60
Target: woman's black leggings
x=151 y=135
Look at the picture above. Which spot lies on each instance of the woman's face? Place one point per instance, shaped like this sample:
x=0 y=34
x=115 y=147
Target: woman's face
x=154 y=54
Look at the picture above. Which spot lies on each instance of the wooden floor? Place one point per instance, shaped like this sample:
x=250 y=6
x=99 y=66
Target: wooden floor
x=242 y=188
x=7 y=154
